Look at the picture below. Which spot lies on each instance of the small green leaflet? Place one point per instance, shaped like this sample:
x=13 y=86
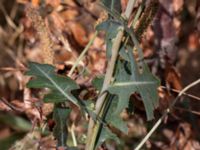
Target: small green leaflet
x=60 y=116
x=111 y=118
x=129 y=80
x=97 y=82
x=45 y=77
x=111 y=29
x=116 y=121
x=105 y=135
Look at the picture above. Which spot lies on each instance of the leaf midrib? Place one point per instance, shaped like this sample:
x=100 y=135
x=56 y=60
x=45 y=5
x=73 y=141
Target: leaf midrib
x=56 y=85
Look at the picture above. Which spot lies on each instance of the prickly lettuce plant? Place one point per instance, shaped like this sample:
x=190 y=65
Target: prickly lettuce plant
x=126 y=74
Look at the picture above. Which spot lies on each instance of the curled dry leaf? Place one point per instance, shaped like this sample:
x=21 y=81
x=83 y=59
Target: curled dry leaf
x=79 y=33
x=193 y=41
x=172 y=78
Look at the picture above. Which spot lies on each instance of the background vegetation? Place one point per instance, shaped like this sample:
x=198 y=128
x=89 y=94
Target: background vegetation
x=56 y=32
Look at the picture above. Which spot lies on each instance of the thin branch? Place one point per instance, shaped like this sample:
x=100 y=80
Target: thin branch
x=7 y=17
x=188 y=110
x=165 y=114
x=82 y=54
x=73 y=135
x=178 y=91
x=11 y=106
x=129 y=8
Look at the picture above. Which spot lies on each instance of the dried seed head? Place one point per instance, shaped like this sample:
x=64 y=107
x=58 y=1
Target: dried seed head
x=43 y=33
x=146 y=18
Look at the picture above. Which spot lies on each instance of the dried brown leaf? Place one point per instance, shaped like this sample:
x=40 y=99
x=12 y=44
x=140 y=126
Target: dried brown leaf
x=79 y=33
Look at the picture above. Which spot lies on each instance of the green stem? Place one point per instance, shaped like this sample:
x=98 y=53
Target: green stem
x=93 y=128
x=133 y=23
x=83 y=53
x=73 y=135
x=71 y=72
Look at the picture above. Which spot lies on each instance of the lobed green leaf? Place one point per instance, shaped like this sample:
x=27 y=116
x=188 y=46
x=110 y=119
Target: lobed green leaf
x=60 y=116
x=44 y=76
x=130 y=80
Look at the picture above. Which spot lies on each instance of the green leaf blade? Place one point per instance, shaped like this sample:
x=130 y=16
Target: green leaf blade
x=45 y=77
x=60 y=116
x=143 y=83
